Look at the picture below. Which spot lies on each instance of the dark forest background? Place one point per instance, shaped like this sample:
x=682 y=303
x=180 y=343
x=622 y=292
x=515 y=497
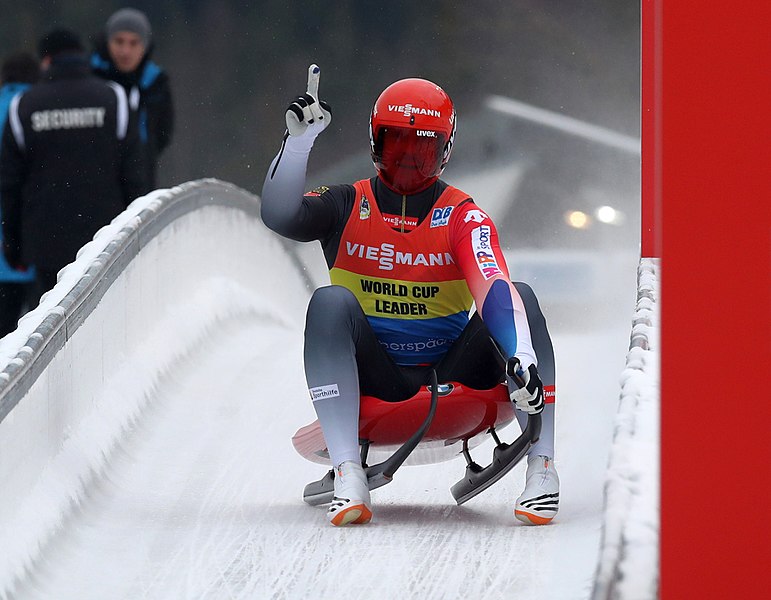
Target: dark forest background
x=234 y=65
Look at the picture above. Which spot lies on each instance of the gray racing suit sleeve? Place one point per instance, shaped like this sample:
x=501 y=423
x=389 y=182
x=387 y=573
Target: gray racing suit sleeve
x=284 y=210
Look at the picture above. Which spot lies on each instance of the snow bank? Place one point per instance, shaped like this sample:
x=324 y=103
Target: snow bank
x=628 y=565
x=82 y=367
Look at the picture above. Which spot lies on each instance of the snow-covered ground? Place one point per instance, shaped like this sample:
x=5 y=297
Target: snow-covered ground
x=202 y=498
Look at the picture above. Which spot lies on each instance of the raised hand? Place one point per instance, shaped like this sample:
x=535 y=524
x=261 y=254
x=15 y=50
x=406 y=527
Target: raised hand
x=307 y=114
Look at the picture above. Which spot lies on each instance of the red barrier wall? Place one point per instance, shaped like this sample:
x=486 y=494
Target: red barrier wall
x=707 y=184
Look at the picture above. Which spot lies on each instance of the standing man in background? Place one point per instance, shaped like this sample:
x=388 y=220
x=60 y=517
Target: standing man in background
x=122 y=54
x=70 y=162
x=19 y=71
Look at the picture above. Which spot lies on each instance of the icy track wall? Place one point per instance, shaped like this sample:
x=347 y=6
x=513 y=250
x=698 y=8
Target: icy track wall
x=628 y=567
x=68 y=391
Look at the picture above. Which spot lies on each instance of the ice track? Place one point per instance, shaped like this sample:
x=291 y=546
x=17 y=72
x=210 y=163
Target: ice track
x=163 y=423
x=203 y=498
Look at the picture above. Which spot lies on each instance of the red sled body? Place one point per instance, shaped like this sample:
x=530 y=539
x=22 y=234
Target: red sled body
x=462 y=414
x=439 y=422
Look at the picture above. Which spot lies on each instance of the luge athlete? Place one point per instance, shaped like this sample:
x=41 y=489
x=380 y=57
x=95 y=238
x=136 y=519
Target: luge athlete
x=408 y=255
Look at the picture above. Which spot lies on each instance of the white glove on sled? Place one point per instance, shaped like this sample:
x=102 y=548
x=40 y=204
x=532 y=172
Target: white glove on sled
x=525 y=387
x=307 y=115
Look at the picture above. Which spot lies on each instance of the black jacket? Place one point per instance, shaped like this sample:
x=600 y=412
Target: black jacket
x=71 y=161
x=149 y=93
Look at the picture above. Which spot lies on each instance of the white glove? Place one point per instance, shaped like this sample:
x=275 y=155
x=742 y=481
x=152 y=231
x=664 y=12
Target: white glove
x=307 y=115
x=525 y=387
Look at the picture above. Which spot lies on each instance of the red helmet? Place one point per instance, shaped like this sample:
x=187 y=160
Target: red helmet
x=411 y=132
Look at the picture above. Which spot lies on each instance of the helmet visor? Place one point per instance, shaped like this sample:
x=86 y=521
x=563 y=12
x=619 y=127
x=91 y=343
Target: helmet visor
x=408 y=160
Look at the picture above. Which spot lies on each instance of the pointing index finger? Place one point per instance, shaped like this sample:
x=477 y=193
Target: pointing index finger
x=313 y=80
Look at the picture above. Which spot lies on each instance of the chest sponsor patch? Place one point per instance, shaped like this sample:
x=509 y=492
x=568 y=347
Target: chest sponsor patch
x=483 y=251
x=440 y=217
x=387 y=255
x=396 y=221
x=364 y=210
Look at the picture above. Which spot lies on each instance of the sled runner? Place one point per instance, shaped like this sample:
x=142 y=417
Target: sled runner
x=438 y=423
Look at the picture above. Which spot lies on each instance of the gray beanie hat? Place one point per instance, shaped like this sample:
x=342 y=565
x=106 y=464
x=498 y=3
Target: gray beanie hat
x=130 y=19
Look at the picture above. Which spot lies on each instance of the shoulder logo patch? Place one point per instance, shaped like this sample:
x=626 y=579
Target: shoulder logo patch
x=481 y=240
x=475 y=215
x=318 y=191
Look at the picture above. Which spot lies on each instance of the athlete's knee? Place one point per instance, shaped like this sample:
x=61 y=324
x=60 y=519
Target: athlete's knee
x=330 y=298
x=539 y=332
x=529 y=299
x=330 y=306
x=525 y=292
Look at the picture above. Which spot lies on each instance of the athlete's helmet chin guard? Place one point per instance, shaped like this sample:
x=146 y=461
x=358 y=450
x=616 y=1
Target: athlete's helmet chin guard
x=411 y=132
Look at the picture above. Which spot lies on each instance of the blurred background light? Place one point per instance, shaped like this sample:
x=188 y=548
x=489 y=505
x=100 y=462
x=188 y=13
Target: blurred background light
x=609 y=215
x=577 y=219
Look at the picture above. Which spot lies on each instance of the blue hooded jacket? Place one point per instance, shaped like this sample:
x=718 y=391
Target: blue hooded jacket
x=7 y=274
